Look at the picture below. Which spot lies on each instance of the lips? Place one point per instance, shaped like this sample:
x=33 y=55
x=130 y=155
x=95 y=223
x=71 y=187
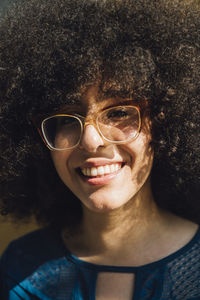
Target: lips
x=100 y=173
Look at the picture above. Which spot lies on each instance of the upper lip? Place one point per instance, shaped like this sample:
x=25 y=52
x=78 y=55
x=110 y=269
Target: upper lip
x=99 y=163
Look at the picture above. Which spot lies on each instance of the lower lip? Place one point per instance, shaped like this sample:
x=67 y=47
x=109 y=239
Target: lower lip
x=101 y=180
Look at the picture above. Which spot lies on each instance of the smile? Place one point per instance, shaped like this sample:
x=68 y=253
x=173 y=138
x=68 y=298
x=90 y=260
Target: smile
x=101 y=170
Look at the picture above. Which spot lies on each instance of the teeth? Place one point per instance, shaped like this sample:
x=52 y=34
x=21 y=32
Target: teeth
x=106 y=169
x=94 y=171
x=102 y=170
x=84 y=171
x=112 y=168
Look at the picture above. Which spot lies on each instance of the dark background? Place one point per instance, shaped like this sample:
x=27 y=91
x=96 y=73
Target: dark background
x=8 y=229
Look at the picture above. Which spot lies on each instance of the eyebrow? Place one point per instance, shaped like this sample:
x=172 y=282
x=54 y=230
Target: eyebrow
x=73 y=101
x=111 y=93
x=119 y=95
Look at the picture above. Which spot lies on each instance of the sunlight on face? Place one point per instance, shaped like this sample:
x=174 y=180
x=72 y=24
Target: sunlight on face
x=104 y=175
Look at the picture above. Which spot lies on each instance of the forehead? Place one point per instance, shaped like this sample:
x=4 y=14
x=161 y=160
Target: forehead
x=94 y=96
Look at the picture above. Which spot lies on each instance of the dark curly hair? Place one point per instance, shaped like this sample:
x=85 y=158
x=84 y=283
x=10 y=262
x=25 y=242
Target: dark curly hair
x=50 y=49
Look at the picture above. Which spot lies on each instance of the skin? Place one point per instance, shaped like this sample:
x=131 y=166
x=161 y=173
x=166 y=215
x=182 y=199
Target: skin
x=137 y=156
x=121 y=223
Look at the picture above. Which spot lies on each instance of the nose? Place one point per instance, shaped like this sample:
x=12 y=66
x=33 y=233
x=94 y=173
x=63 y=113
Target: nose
x=91 y=139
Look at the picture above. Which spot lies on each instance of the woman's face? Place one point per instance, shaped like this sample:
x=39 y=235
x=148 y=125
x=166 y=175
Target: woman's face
x=117 y=172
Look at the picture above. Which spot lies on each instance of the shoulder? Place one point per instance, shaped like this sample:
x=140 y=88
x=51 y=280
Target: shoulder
x=33 y=246
x=31 y=262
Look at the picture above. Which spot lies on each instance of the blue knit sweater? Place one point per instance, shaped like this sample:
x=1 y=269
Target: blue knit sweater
x=38 y=266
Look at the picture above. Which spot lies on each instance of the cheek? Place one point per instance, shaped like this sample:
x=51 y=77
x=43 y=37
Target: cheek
x=140 y=149
x=60 y=161
x=141 y=154
x=144 y=165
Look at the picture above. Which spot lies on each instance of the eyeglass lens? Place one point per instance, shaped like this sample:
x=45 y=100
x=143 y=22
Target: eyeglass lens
x=62 y=132
x=118 y=124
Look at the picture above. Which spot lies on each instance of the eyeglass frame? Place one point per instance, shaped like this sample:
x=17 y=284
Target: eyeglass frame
x=84 y=124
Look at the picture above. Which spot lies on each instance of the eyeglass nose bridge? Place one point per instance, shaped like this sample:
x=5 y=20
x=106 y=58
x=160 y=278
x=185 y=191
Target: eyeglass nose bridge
x=90 y=122
x=85 y=122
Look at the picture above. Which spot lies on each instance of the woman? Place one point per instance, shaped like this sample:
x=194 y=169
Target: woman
x=100 y=142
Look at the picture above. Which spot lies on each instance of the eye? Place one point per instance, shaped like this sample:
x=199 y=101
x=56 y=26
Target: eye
x=117 y=114
x=66 y=121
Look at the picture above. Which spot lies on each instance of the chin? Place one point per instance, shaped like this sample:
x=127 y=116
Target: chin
x=105 y=203
x=101 y=207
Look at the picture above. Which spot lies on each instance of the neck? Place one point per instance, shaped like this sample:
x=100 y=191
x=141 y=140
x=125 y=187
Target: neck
x=118 y=231
x=110 y=230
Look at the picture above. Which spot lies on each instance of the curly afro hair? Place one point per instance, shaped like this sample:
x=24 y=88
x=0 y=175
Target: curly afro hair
x=50 y=49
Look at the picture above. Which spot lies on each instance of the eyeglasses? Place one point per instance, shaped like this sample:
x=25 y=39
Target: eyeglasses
x=117 y=125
